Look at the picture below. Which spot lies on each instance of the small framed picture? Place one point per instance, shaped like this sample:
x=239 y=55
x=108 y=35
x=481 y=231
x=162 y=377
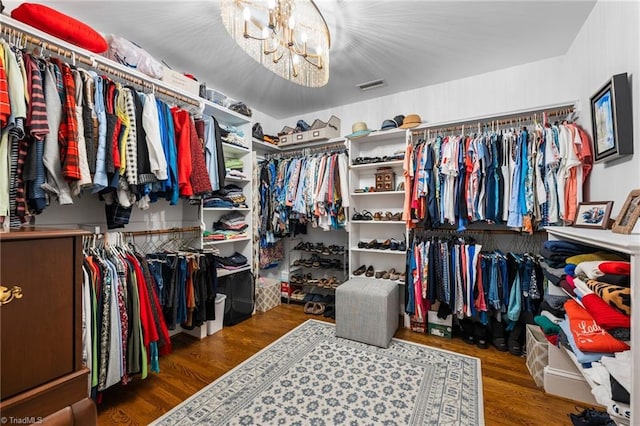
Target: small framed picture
x=594 y=214
x=629 y=213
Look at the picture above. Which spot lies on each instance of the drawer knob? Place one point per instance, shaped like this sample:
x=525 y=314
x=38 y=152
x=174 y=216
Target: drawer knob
x=8 y=294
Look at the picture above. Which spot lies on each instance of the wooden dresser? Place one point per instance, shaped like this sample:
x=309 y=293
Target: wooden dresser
x=41 y=367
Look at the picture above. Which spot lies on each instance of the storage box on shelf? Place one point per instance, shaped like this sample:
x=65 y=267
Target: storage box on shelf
x=320 y=131
x=624 y=244
x=376 y=201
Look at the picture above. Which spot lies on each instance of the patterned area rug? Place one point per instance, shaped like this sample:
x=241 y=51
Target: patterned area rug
x=311 y=377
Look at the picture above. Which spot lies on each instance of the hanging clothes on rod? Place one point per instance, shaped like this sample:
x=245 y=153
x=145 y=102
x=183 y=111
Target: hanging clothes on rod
x=304 y=188
x=68 y=131
x=524 y=176
x=468 y=281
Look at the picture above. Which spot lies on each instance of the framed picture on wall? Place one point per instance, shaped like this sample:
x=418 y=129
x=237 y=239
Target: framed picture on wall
x=628 y=216
x=594 y=214
x=611 y=120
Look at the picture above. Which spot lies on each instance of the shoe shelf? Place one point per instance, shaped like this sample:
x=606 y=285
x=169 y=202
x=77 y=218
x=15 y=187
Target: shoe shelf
x=386 y=147
x=397 y=252
x=224 y=114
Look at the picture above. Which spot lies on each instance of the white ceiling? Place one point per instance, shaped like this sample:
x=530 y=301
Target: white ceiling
x=409 y=44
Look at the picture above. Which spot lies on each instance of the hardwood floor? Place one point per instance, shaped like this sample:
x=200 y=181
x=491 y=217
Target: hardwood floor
x=510 y=394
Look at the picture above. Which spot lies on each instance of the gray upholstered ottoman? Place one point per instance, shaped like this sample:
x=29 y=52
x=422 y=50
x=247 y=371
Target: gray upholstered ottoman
x=367 y=310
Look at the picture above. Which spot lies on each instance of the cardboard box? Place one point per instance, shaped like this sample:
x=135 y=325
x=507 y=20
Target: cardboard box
x=267 y=294
x=537 y=353
x=179 y=81
x=439 y=327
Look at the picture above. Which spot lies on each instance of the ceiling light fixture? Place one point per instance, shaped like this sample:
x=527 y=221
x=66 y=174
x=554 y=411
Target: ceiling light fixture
x=288 y=37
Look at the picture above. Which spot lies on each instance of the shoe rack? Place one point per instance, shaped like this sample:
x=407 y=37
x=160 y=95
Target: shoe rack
x=377 y=234
x=317 y=263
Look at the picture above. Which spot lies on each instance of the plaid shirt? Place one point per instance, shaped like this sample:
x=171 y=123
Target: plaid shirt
x=68 y=132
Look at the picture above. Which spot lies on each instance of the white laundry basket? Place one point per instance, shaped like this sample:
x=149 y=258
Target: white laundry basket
x=216 y=325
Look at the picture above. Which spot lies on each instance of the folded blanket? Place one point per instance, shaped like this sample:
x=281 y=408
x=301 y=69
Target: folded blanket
x=588 y=335
x=552 y=274
x=616 y=296
x=589 y=269
x=598 y=255
x=547 y=326
x=568 y=247
x=606 y=316
x=612 y=267
x=615 y=279
x=584 y=358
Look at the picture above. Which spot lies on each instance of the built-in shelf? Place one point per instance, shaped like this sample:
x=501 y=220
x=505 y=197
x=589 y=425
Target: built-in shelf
x=221 y=272
x=351 y=276
x=394 y=163
x=263 y=146
x=236 y=179
x=234 y=149
x=312 y=144
x=358 y=194
x=379 y=222
x=226 y=209
x=382 y=136
x=629 y=244
x=396 y=252
x=217 y=242
x=616 y=417
x=224 y=114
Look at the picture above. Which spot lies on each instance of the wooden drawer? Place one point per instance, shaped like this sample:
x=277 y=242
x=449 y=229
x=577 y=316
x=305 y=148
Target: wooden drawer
x=38 y=329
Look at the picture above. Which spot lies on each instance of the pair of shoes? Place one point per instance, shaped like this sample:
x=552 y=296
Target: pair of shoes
x=466 y=331
x=514 y=342
x=498 y=335
x=591 y=417
x=314 y=308
x=361 y=270
x=480 y=335
x=370 y=272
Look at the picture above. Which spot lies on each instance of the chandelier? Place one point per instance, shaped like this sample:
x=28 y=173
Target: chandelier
x=288 y=37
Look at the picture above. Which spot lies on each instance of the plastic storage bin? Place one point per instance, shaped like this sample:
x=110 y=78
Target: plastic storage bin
x=216 y=325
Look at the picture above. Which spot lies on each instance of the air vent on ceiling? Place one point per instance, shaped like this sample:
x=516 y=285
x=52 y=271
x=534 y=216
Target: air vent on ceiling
x=373 y=84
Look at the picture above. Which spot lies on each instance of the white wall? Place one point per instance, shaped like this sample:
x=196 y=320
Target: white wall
x=608 y=43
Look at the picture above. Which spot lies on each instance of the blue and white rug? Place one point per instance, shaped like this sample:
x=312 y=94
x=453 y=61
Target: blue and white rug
x=311 y=377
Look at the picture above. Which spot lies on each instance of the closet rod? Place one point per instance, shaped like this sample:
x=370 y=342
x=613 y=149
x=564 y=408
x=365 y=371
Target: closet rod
x=500 y=120
x=163 y=231
x=328 y=149
x=44 y=42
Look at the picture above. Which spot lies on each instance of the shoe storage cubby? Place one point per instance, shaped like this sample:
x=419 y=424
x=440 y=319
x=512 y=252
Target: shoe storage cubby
x=317 y=264
x=377 y=235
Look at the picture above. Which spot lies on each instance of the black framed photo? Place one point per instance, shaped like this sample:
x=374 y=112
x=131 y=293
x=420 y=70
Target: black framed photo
x=594 y=214
x=612 y=120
